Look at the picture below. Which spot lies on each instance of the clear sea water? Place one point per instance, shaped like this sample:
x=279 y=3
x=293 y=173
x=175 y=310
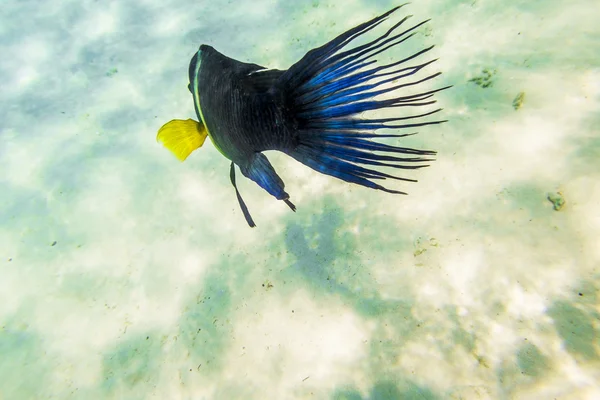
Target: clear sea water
x=125 y=274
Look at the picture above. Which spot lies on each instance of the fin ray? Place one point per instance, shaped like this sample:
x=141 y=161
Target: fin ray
x=332 y=85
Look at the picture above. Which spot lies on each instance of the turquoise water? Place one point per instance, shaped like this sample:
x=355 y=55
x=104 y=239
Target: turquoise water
x=126 y=274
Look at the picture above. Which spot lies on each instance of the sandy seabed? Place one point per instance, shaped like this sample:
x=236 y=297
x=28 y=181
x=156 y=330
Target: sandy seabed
x=126 y=274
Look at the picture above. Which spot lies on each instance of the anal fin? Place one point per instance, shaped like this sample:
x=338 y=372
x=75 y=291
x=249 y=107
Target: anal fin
x=260 y=170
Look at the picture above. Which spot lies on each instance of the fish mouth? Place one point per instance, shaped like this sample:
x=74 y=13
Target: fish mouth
x=193 y=72
x=194 y=85
x=194 y=66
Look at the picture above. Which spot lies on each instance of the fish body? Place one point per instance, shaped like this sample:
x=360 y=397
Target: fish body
x=311 y=112
x=241 y=106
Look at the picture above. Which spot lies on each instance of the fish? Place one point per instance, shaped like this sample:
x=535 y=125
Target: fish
x=312 y=112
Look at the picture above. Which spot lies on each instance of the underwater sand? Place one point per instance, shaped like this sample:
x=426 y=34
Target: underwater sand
x=125 y=274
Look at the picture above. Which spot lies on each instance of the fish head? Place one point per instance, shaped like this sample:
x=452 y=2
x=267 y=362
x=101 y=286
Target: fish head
x=193 y=74
x=194 y=69
x=195 y=64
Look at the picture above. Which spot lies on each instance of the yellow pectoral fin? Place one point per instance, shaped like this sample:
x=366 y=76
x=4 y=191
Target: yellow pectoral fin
x=182 y=137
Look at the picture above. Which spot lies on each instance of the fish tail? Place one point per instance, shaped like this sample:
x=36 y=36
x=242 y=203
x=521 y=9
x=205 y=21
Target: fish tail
x=328 y=89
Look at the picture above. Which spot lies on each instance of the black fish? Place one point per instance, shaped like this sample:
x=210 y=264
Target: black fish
x=310 y=112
